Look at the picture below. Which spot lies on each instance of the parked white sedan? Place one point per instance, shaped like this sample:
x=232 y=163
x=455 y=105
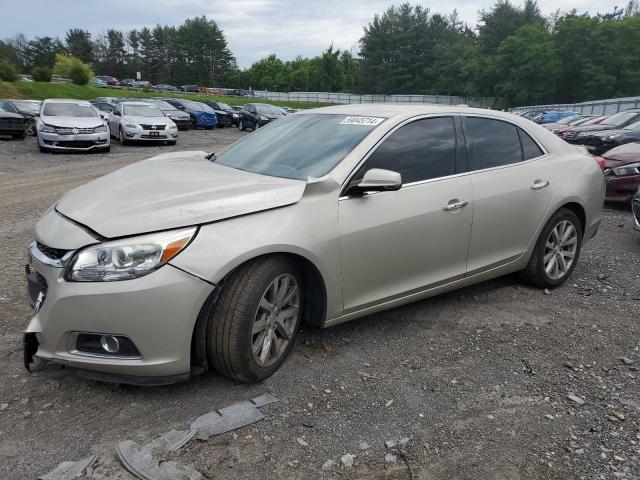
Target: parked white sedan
x=140 y=121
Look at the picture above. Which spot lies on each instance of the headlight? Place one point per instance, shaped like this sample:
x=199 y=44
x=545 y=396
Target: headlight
x=130 y=125
x=611 y=137
x=263 y=118
x=582 y=134
x=631 y=169
x=235 y=115
x=128 y=258
x=43 y=127
x=100 y=129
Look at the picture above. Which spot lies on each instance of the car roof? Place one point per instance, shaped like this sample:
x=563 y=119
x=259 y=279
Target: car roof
x=136 y=102
x=389 y=110
x=67 y=100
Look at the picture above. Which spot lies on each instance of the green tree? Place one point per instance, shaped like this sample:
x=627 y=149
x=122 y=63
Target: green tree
x=79 y=45
x=41 y=74
x=70 y=67
x=41 y=52
x=527 y=67
x=502 y=21
x=7 y=72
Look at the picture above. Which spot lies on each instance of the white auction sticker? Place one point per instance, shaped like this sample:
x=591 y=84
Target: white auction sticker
x=367 y=121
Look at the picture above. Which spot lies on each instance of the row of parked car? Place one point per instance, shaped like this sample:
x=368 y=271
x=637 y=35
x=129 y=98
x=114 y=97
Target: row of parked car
x=90 y=125
x=615 y=138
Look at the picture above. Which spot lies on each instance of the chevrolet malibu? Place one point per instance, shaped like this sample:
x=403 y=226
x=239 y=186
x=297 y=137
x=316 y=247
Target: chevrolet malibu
x=186 y=262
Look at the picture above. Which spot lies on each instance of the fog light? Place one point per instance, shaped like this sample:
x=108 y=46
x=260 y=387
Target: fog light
x=97 y=344
x=109 y=344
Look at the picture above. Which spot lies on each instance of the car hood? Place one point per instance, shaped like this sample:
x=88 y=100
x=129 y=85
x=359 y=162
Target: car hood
x=606 y=133
x=4 y=114
x=593 y=128
x=176 y=113
x=629 y=153
x=173 y=190
x=71 y=122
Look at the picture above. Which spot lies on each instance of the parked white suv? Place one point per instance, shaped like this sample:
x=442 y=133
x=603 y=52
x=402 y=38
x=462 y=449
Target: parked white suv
x=71 y=125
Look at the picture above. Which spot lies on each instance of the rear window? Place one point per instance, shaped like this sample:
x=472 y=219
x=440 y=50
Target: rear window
x=68 y=110
x=491 y=143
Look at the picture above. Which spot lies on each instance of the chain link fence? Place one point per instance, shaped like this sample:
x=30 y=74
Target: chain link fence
x=341 y=98
x=595 y=107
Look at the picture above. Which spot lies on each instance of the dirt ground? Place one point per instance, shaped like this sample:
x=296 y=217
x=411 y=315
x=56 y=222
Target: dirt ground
x=477 y=379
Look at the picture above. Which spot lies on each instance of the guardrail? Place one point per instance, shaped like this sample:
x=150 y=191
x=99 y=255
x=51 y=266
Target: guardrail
x=332 y=97
x=595 y=107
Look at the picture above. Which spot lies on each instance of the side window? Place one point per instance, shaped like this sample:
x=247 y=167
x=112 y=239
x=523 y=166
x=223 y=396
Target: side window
x=530 y=149
x=420 y=150
x=491 y=143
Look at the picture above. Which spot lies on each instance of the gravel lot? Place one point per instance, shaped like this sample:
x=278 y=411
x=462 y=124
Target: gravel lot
x=477 y=379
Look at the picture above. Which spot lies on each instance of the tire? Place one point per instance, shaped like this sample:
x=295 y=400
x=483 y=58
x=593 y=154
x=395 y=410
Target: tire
x=208 y=127
x=171 y=142
x=106 y=149
x=535 y=272
x=121 y=137
x=241 y=126
x=41 y=148
x=241 y=308
x=21 y=135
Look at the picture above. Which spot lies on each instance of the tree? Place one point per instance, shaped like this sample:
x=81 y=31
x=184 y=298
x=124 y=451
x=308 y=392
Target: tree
x=527 y=67
x=70 y=67
x=41 y=52
x=7 y=72
x=502 y=21
x=41 y=74
x=79 y=45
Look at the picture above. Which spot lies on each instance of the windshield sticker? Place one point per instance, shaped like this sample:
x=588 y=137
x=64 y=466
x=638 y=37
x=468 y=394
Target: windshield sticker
x=366 y=121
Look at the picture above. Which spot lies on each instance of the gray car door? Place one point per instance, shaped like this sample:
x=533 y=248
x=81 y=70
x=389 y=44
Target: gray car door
x=396 y=243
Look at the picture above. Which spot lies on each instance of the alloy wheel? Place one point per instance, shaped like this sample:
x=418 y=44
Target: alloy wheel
x=560 y=250
x=275 y=320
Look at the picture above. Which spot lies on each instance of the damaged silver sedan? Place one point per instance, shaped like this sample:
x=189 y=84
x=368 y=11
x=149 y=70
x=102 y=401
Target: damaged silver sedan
x=186 y=262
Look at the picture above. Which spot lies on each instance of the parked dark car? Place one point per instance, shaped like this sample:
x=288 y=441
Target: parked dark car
x=588 y=121
x=180 y=118
x=190 y=88
x=578 y=135
x=201 y=115
x=27 y=108
x=108 y=79
x=600 y=142
x=254 y=115
x=570 y=120
x=165 y=88
x=13 y=124
x=622 y=172
x=235 y=92
x=227 y=116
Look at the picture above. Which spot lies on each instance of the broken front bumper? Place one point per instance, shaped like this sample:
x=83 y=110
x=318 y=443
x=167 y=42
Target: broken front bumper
x=156 y=313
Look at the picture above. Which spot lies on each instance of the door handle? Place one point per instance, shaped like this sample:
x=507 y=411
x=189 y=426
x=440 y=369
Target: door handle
x=538 y=184
x=455 y=204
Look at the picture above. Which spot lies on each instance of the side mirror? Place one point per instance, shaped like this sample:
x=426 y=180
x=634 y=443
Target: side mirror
x=377 y=180
x=115 y=113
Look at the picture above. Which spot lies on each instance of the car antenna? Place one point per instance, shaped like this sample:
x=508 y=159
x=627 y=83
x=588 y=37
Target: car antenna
x=211 y=156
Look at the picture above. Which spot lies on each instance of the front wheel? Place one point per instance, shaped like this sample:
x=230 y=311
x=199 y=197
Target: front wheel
x=255 y=321
x=122 y=137
x=556 y=252
x=241 y=126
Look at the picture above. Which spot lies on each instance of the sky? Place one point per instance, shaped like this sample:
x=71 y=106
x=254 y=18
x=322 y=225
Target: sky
x=253 y=28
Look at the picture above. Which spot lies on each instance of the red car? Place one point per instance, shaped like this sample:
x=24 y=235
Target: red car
x=622 y=172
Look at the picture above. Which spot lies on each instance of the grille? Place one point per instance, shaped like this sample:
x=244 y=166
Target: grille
x=151 y=127
x=53 y=253
x=12 y=122
x=69 y=131
x=81 y=144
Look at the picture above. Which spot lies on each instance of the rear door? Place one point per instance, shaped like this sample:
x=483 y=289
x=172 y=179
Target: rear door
x=514 y=181
x=396 y=243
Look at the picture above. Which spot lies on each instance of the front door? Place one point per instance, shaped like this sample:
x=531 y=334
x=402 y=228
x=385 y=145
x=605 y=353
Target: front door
x=395 y=243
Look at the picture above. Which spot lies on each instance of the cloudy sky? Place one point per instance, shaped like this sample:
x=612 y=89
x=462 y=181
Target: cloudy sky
x=254 y=28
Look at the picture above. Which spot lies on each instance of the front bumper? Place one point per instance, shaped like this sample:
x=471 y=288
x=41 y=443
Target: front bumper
x=138 y=134
x=621 y=189
x=156 y=312
x=80 y=142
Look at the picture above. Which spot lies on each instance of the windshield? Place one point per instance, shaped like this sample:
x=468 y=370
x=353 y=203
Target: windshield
x=619 y=118
x=268 y=110
x=142 y=111
x=634 y=126
x=569 y=119
x=162 y=105
x=591 y=121
x=298 y=147
x=224 y=106
x=29 y=107
x=68 y=110
x=203 y=107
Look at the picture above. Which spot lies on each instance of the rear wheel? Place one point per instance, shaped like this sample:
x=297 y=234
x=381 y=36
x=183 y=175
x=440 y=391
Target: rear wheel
x=556 y=252
x=254 y=323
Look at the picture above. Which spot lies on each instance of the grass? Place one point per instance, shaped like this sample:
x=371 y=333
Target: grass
x=41 y=90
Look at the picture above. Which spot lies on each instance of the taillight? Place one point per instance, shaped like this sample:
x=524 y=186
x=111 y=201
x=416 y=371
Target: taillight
x=600 y=162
